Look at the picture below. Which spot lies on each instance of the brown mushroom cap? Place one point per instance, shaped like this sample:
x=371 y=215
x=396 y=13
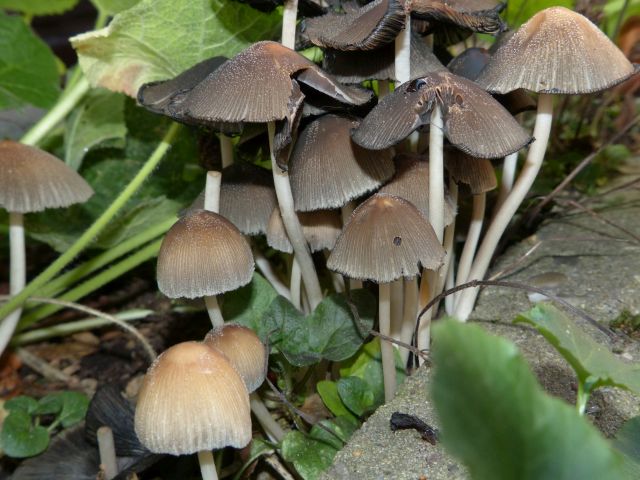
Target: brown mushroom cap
x=257 y=85
x=192 y=399
x=477 y=173
x=556 y=51
x=366 y=28
x=327 y=169
x=32 y=180
x=243 y=349
x=411 y=182
x=474 y=121
x=385 y=238
x=320 y=228
x=474 y=15
x=203 y=254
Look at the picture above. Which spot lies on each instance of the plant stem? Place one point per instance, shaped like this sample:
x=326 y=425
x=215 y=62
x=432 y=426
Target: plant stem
x=508 y=209
x=386 y=348
x=95 y=282
x=92 y=232
x=17 y=274
x=207 y=465
x=582 y=397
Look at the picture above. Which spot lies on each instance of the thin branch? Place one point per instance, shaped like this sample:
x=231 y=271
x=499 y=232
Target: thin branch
x=600 y=218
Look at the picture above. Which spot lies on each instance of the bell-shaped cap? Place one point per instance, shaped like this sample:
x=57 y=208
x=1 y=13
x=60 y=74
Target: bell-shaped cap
x=192 y=399
x=556 y=51
x=244 y=350
x=411 y=182
x=366 y=28
x=482 y=16
x=477 y=173
x=327 y=169
x=474 y=121
x=385 y=238
x=203 y=254
x=320 y=229
x=32 y=180
x=258 y=85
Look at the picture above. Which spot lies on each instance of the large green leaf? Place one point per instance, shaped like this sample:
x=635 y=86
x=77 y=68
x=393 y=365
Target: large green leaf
x=496 y=418
x=28 y=71
x=328 y=391
x=157 y=39
x=99 y=118
x=356 y=395
x=247 y=305
x=519 y=11
x=112 y=7
x=588 y=358
x=20 y=438
x=627 y=442
x=39 y=7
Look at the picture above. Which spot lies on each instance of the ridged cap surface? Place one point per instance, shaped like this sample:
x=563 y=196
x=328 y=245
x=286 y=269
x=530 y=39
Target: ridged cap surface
x=477 y=173
x=320 y=228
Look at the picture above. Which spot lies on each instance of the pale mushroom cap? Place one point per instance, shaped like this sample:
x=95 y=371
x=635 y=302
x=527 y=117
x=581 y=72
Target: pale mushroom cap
x=203 y=254
x=556 y=51
x=32 y=180
x=327 y=169
x=245 y=351
x=320 y=228
x=192 y=399
x=385 y=238
x=477 y=173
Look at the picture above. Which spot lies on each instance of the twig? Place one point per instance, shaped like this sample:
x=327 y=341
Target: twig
x=96 y=313
x=600 y=218
x=36 y=364
x=624 y=186
x=274 y=462
x=411 y=348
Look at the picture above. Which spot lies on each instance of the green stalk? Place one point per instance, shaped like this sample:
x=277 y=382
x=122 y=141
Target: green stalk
x=92 y=232
x=93 y=283
x=72 y=276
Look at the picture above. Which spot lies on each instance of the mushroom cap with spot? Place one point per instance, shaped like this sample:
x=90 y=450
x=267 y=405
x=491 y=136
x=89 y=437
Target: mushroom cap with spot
x=477 y=173
x=32 y=180
x=385 y=238
x=327 y=169
x=474 y=121
x=244 y=350
x=191 y=400
x=203 y=254
x=411 y=182
x=320 y=229
x=556 y=51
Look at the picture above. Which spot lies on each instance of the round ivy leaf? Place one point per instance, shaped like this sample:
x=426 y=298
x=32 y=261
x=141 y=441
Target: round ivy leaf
x=20 y=438
x=22 y=403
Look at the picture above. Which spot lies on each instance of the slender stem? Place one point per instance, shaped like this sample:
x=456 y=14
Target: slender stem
x=289 y=17
x=436 y=172
x=207 y=465
x=215 y=315
x=296 y=282
x=67 y=102
x=94 y=283
x=107 y=450
x=17 y=274
x=409 y=315
x=449 y=301
x=65 y=280
x=508 y=209
x=582 y=397
x=473 y=236
x=386 y=348
x=449 y=241
x=226 y=150
x=509 y=167
x=403 y=54
x=272 y=428
x=92 y=232
x=293 y=227
x=397 y=307
x=212 y=191
x=267 y=271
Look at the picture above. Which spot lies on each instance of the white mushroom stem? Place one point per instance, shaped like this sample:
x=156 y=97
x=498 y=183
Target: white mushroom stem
x=403 y=54
x=226 y=150
x=397 y=306
x=212 y=204
x=449 y=240
x=293 y=227
x=409 y=315
x=436 y=172
x=289 y=17
x=508 y=209
x=267 y=271
x=509 y=166
x=272 y=428
x=295 y=284
x=473 y=236
x=449 y=300
x=17 y=275
x=207 y=465
x=386 y=348
x=107 y=450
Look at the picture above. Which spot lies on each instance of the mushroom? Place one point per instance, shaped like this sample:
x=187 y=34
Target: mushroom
x=385 y=238
x=193 y=401
x=31 y=180
x=556 y=52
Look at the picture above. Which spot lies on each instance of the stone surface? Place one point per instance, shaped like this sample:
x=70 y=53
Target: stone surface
x=592 y=265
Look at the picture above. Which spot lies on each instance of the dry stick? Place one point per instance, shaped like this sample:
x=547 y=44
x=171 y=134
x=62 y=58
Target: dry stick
x=600 y=218
x=624 y=186
x=574 y=173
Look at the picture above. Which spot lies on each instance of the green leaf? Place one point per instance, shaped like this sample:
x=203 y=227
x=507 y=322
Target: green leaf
x=39 y=7
x=498 y=420
x=111 y=7
x=49 y=405
x=519 y=11
x=248 y=305
x=328 y=392
x=589 y=359
x=20 y=438
x=627 y=442
x=22 y=403
x=28 y=70
x=356 y=395
x=158 y=39
x=335 y=432
x=309 y=456
x=99 y=118
x=74 y=407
